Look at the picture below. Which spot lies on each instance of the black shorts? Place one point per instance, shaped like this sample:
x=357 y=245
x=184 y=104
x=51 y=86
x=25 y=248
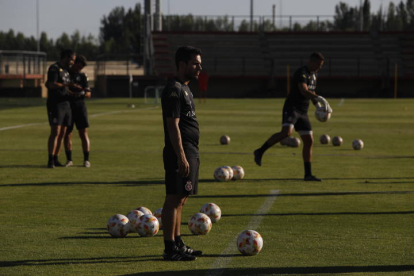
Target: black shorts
x=59 y=114
x=300 y=120
x=175 y=184
x=79 y=116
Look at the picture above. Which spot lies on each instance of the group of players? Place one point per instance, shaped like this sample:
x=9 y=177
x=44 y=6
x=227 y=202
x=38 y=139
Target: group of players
x=181 y=137
x=67 y=88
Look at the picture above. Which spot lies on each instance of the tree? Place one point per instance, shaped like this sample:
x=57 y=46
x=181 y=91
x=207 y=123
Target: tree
x=366 y=15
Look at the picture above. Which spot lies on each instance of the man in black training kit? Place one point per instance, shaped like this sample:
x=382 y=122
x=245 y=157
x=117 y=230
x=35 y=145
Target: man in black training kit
x=79 y=112
x=181 y=157
x=295 y=113
x=58 y=107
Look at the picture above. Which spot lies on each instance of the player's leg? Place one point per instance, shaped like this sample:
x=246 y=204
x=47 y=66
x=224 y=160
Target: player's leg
x=51 y=144
x=83 y=134
x=61 y=136
x=68 y=146
x=274 y=139
x=305 y=130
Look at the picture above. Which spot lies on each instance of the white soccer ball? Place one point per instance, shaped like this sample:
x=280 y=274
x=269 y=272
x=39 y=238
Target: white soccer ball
x=238 y=172
x=225 y=140
x=158 y=214
x=322 y=115
x=357 y=144
x=249 y=242
x=118 y=226
x=324 y=139
x=337 y=141
x=145 y=210
x=212 y=211
x=230 y=170
x=294 y=142
x=133 y=217
x=200 y=224
x=148 y=226
x=221 y=174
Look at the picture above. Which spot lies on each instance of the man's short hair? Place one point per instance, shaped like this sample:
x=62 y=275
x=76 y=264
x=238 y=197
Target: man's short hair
x=317 y=56
x=66 y=53
x=82 y=60
x=185 y=54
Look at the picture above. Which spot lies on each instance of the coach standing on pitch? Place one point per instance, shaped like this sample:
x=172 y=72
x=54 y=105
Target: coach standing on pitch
x=58 y=107
x=181 y=157
x=295 y=113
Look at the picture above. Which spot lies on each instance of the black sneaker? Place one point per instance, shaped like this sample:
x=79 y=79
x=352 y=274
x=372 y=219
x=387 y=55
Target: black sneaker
x=189 y=251
x=58 y=164
x=50 y=165
x=312 y=178
x=177 y=255
x=258 y=157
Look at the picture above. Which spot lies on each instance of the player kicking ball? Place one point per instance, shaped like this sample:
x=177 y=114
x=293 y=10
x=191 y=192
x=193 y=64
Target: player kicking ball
x=181 y=157
x=79 y=111
x=295 y=113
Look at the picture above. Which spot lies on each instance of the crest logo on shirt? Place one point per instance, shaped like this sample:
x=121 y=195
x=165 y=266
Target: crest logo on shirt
x=174 y=94
x=189 y=186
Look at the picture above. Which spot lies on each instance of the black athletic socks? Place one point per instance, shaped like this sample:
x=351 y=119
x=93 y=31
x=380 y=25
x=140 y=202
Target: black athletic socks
x=86 y=156
x=69 y=155
x=308 y=168
x=169 y=246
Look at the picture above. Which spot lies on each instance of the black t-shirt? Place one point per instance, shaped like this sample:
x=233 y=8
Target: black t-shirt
x=177 y=102
x=295 y=98
x=80 y=79
x=57 y=73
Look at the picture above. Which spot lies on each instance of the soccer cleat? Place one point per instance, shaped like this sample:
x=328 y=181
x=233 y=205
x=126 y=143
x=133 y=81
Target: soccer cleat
x=258 y=157
x=187 y=250
x=57 y=163
x=176 y=255
x=69 y=163
x=87 y=164
x=50 y=165
x=312 y=178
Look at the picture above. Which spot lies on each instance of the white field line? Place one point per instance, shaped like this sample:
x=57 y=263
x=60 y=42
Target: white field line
x=220 y=264
x=91 y=116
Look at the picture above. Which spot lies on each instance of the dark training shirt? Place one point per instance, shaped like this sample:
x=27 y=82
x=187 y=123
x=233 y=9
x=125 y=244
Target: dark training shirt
x=295 y=97
x=57 y=73
x=80 y=79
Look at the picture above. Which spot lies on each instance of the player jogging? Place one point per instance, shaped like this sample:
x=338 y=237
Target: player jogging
x=181 y=157
x=58 y=107
x=295 y=113
x=79 y=112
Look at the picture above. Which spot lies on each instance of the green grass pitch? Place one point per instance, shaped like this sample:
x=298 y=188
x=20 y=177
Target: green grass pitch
x=358 y=221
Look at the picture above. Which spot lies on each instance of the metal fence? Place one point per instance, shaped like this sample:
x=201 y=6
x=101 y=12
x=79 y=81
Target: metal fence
x=22 y=63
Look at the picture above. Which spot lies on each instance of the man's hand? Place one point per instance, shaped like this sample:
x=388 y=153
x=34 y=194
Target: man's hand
x=321 y=101
x=183 y=167
x=74 y=86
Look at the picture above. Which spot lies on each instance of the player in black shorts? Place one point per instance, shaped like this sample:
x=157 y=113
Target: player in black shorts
x=79 y=112
x=295 y=113
x=58 y=107
x=181 y=157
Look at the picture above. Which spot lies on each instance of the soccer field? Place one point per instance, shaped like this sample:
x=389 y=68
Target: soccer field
x=358 y=221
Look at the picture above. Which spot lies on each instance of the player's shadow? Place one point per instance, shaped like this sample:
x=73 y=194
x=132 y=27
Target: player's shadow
x=22 y=166
x=283 y=270
x=74 y=261
x=304 y=194
x=125 y=183
x=322 y=214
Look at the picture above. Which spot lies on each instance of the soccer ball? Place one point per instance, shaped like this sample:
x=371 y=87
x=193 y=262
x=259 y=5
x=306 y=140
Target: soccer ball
x=230 y=170
x=145 y=210
x=357 y=144
x=133 y=217
x=225 y=140
x=221 y=174
x=199 y=224
x=322 y=115
x=118 y=226
x=325 y=139
x=337 y=141
x=294 y=142
x=147 y=226
x=249 y=242
x=285 y=141
x=158 y=214
x=238 y=172
x=212 y=211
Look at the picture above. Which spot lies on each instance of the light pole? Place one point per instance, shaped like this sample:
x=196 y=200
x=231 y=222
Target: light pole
x=37 y=25
x=251 y=15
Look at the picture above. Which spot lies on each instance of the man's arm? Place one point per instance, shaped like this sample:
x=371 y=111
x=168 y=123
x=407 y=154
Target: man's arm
x=303 y=87
x=176 y=142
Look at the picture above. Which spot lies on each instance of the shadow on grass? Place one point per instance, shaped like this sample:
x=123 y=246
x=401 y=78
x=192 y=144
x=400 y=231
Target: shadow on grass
x=305 y=194
x=321 y=214
x=81 y=261
x=22 y=166
x=285 y=270
x=126 y=183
